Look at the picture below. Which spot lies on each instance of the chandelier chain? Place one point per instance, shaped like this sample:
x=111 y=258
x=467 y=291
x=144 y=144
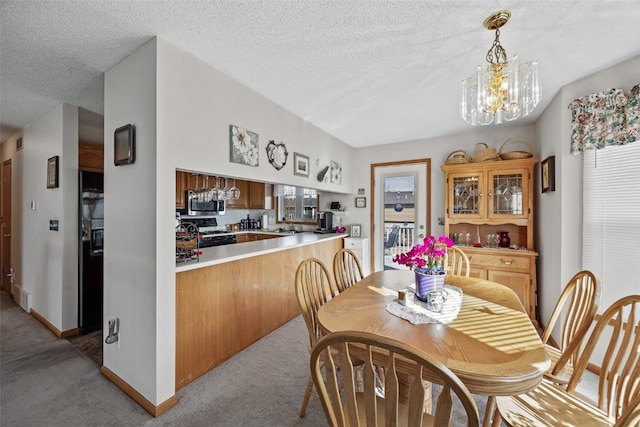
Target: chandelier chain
x=496 y=53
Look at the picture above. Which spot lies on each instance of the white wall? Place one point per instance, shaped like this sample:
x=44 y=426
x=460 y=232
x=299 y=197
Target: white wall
x=182 y=109
x=196 y=105
x=562 y=211
x=130 y=258
x=548 y=210
x=435 y=148
x=48 y=259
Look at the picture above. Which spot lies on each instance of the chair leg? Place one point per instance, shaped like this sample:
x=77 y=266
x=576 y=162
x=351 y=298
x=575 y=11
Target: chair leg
x=490 y=412
x=496 y=419
x=307 y=396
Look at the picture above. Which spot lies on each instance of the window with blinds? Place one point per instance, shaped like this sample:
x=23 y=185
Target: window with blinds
x=611 y=220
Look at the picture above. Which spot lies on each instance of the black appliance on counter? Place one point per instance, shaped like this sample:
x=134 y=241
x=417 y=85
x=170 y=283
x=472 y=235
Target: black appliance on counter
x=209 y=234
x=325 y=223
x=90 y=249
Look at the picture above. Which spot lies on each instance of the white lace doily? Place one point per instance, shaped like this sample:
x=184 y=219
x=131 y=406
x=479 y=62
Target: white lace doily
x=416 y=311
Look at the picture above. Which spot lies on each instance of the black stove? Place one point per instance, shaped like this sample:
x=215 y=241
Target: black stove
x=215 y=239
x=208 y=235
x=205 y=232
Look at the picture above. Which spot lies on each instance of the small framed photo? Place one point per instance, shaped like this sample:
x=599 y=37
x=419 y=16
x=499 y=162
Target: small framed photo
x=124 y=145
x=361 y=202
x=355 y=230
x=52 y=172
x=300 y=165
x=548 y=174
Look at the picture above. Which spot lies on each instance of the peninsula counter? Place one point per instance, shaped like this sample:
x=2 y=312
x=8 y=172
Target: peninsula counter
x=237 y=294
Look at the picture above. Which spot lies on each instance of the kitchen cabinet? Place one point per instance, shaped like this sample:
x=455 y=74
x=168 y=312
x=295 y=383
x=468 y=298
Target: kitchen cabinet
x=181 y=187
x=253 y=237
x=186 y=181
x=489 y=198
x=253 y=195
x=190 y=181
x=360 y=247
x=90 y=157
x=243 y=201
x=260 y=195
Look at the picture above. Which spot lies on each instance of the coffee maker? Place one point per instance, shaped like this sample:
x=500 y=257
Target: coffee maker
x=325 y=223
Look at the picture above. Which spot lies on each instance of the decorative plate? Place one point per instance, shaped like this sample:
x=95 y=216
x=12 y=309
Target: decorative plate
x=277 y=154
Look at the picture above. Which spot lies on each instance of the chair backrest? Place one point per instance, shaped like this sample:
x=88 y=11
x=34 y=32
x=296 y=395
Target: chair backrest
x=344 y=405
x=619 y=380
x=313 y=288
x=583 y=296
x=393 y=238
x=457 y=262
x=347 y=269
x=631 y=416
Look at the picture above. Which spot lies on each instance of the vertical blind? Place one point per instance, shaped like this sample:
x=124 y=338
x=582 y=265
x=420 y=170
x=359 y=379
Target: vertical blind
x=611 y=220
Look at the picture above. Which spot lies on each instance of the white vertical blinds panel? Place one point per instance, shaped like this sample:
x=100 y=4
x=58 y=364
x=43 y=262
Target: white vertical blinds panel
x=611 y=220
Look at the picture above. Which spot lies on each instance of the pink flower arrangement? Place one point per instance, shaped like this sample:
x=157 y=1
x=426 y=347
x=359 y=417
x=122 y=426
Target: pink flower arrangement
x=428 y=255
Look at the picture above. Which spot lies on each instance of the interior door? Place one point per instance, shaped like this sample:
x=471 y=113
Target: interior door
x=400 y=194
x=5 y=214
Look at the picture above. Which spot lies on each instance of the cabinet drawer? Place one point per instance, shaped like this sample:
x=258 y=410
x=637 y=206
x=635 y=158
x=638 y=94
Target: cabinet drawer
x=353 y=243
x=502 y=262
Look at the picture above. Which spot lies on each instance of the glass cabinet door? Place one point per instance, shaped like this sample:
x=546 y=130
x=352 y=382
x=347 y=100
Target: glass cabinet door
x=465 y=195
x=506 y=196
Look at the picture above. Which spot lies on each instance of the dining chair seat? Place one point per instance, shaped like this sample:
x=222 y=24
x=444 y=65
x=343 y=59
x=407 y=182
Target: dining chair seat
x=579 y=302
x=563 y=375
x=550 y=405
x=617 y=336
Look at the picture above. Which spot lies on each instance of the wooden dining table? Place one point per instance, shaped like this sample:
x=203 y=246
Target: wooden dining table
x=491 y=345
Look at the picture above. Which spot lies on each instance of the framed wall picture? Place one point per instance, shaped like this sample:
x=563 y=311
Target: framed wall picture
x=300 y=165
x=52 y=172
x=124 y=145
x=356 y=230
x=548 y=174
x=361 y=202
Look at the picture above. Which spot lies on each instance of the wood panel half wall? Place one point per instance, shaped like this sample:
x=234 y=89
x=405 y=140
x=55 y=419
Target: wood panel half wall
x=224 y=308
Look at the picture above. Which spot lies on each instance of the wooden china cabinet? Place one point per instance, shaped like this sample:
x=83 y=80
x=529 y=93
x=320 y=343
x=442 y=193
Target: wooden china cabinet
x=491 y=198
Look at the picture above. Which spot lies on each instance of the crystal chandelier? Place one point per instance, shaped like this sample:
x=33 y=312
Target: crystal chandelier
x=502 y=90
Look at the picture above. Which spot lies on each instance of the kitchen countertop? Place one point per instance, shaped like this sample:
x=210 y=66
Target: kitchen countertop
x=226 y=253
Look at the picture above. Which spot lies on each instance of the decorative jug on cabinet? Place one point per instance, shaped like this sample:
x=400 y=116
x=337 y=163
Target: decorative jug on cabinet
x=505 y=241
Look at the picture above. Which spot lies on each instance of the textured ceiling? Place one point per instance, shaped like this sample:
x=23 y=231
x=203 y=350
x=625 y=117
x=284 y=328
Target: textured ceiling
x=368 y=72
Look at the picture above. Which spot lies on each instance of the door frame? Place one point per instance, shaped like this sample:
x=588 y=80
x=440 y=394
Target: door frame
x=5 y=218
x=372 y=174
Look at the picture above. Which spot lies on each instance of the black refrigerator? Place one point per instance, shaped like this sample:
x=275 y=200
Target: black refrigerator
x=90 y=248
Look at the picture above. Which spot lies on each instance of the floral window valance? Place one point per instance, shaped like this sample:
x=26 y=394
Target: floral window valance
x=606 y=118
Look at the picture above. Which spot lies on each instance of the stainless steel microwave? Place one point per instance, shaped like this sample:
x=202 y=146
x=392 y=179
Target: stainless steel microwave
x=203 y=203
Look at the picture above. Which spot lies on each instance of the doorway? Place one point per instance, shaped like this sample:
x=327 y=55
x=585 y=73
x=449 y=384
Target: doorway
x=401 y=209
x=5 y=219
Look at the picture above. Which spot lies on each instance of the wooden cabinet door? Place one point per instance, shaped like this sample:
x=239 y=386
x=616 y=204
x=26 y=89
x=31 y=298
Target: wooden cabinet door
x=480 y=273
x=90 y=157
x=193 y=181
x=508 y=191
x=256 y=195
x=518 y=282
x=243 y=200
x=465 y=195
x=181 y=186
